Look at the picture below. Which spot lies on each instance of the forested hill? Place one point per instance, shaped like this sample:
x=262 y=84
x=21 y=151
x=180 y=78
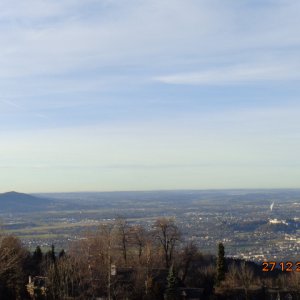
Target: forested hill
x=20 y=202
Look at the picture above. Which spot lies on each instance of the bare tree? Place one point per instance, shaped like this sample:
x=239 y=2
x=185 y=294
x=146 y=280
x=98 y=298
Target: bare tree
x=168 y=235
x=123 y=232
x=12 y=255
x=232 y=276
x=293 y=281
x=95 y=256
x=188 y=255
x=246 y=276
x=64 y=279
x=139 y=238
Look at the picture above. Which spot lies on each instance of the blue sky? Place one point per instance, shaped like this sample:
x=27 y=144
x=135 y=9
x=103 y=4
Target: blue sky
x=143 y=95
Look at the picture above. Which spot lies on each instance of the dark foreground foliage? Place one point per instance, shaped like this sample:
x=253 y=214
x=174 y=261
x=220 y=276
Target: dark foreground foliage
x=123 y=261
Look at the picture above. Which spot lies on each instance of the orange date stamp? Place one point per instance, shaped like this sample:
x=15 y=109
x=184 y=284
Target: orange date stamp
x=288 y=266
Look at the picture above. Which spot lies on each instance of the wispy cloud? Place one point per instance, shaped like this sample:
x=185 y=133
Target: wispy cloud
x=241 y=74
x=23 y=109
x=58 y=37
x=11 y=103
x=67 y=37
x=224 y=76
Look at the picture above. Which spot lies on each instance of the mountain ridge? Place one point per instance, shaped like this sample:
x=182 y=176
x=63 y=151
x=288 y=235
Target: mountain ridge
x=20 y=202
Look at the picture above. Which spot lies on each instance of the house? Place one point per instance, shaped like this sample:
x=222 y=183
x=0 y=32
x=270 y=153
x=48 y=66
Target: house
x=36 y=286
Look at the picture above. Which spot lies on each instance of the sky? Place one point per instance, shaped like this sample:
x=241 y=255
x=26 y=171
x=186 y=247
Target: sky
x=109 y=95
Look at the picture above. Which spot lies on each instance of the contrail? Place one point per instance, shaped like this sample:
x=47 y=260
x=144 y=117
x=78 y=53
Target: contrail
x=42 y=116
x=13 y=104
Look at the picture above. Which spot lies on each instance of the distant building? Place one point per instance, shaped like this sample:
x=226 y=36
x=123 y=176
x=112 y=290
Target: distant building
x=36 y=286
x=276 y=221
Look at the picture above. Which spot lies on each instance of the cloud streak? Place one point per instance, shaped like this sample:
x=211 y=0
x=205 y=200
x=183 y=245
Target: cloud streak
x=222 y=75
x=23 y=109
x=241 y=74
x=69 y=36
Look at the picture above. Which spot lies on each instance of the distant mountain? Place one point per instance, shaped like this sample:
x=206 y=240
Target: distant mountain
x=20 y=202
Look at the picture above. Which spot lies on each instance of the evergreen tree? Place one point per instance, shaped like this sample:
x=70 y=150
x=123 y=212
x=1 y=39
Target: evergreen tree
x=172 y=285
x=50 y=255
x=62 y=253
x=37 y=255
x=36 y=262
x=221 y=264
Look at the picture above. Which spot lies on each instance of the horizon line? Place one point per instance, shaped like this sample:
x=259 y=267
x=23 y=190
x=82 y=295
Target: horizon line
x=160 y=190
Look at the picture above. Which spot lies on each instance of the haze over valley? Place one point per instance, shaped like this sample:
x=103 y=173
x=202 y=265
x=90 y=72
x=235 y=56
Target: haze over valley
x=241 y=219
